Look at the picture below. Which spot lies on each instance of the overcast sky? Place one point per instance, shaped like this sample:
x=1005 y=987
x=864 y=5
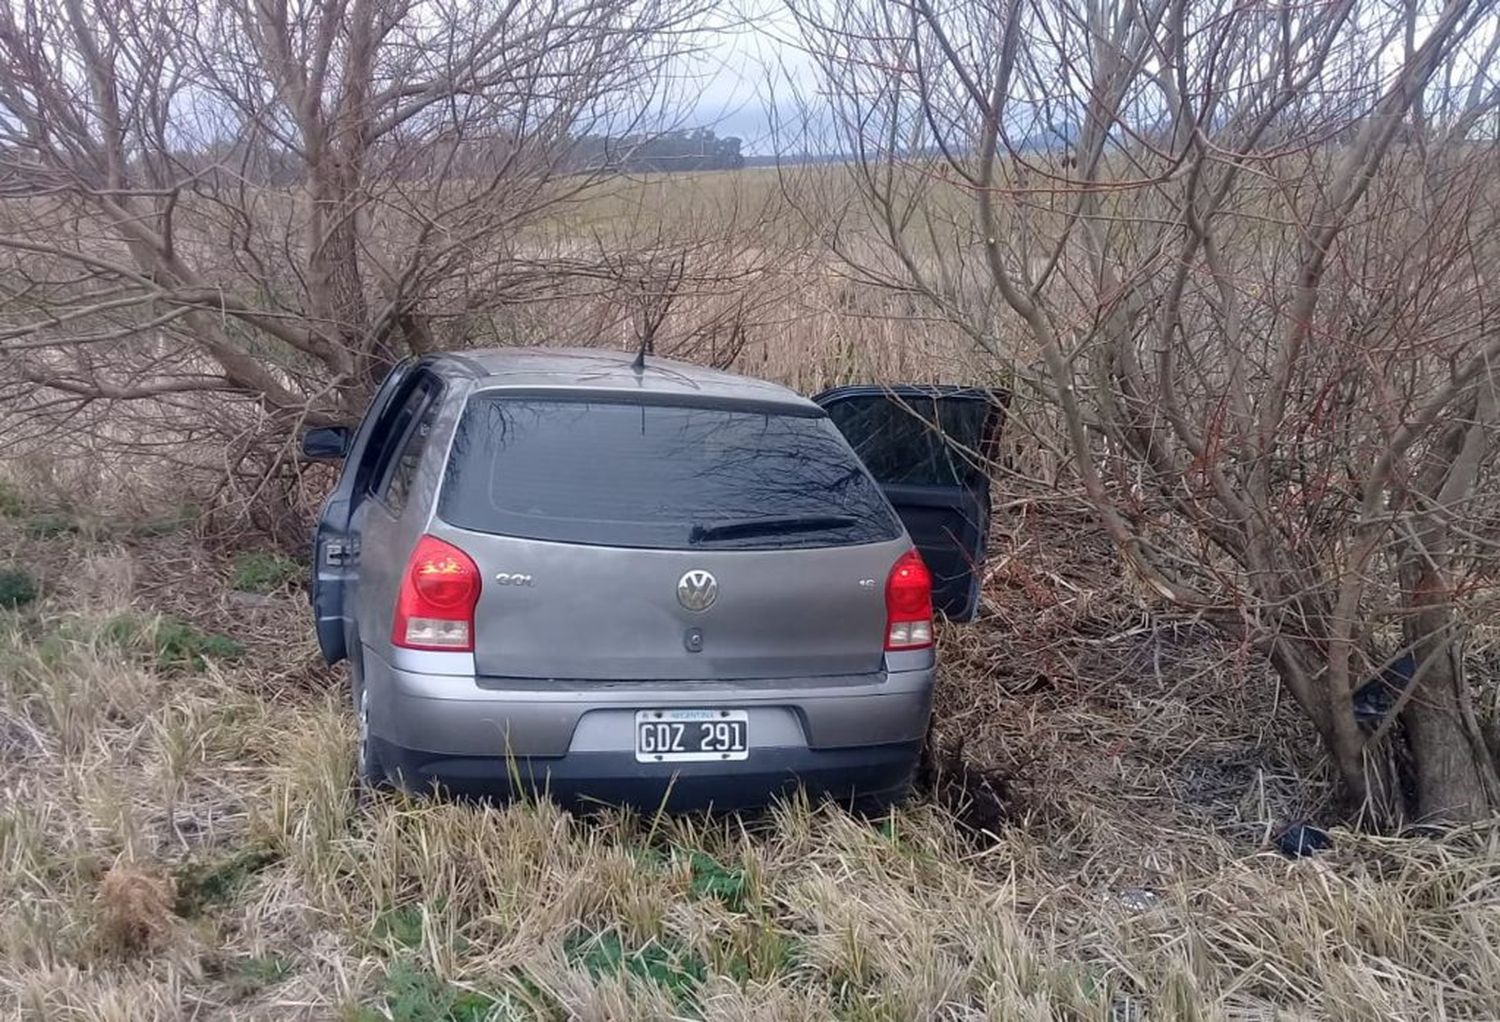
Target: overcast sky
x=735 y=81
x=754 y=61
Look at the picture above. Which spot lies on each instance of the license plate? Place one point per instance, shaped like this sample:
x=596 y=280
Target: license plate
x=691 y=736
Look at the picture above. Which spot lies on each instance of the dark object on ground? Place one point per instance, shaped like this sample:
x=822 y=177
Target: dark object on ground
x=1374 y=699
x=979 y=796
x=1300 y=840
x=16 y=588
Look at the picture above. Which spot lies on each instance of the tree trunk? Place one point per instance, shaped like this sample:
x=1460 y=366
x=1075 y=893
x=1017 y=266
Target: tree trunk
x=1455 y=775
x=335 y=287
x=1369 y=773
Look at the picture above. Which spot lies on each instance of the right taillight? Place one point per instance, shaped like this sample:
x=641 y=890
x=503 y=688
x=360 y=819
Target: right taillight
x=435 y=609
x=908 y=604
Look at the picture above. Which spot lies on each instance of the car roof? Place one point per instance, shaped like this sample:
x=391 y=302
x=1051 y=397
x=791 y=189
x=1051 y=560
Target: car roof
x=613 y=373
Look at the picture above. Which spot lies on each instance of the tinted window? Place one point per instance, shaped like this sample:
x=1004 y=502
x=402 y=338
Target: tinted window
x=667 y=476
x=391 y=431
x=408 y=456
x=365 y=456
x=918 y=440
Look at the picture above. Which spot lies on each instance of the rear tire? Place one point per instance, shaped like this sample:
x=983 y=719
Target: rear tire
x=369 y=774
x=876 y=807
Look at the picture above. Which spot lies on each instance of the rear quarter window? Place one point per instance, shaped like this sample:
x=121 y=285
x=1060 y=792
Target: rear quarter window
x=658 y=475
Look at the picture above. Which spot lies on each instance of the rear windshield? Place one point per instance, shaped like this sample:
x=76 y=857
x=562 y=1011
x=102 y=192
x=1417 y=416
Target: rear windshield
x=662 y=476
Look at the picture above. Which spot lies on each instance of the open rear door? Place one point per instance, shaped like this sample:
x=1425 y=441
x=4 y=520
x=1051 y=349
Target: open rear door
x=930 y=449
x=335 y=548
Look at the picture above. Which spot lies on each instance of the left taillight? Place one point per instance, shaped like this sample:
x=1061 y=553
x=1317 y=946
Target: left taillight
x=439 y=589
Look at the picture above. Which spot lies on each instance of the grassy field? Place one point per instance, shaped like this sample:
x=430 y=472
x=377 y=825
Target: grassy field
x=179 y=837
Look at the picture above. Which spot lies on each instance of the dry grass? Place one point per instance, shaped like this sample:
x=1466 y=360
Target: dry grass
x=134 y=908
x=178 y=838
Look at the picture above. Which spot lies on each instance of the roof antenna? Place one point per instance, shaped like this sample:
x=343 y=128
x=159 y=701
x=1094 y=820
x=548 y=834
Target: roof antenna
x=639 y=365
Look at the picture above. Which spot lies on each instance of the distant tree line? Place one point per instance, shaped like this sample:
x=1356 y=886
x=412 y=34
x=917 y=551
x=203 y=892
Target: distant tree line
x=684 y=149
x=264 y=162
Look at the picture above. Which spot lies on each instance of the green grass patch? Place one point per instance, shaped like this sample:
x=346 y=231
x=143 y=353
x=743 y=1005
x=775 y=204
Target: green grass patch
x=164 y=642
x=249 y=975
x=678 y=971
x=400 y=927
x=257 y=571
x=412 y=994
x=17 y=588
x=206 y=885
x=758 y=951
x=12 y=504
x=712 y=879
x=169 y=642
x=167 y=524
x=50 y=525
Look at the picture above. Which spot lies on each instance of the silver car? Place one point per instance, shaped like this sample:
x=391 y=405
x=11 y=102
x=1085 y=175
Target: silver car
x=646 y=583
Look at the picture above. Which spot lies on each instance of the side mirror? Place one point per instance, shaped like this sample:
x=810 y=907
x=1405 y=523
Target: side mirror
x=326 y=443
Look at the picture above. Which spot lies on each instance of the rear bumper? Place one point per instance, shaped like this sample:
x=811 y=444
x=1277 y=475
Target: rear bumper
x=847 y=736
x=460 y=715
x=579 y=779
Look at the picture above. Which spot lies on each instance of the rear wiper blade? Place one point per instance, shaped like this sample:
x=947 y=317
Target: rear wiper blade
x=772 y=525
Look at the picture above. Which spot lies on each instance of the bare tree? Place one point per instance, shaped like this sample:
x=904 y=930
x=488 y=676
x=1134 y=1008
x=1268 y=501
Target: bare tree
x=273 y=200
x=1245 y=254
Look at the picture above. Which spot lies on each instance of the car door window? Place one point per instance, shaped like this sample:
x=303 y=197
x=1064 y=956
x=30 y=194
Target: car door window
x=368 y=446
x=919 y=439
x=404 y=430
x=403 y=468
x=930 y=448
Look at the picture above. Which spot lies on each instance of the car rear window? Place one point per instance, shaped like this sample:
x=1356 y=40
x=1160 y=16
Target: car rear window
x=658 y=475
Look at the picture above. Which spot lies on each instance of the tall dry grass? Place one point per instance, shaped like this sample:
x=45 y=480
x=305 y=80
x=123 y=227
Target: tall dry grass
x=179 y=838
x=760 y=294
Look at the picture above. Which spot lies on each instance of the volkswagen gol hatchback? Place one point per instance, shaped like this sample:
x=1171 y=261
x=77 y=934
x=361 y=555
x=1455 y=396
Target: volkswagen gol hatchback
x=566 y=572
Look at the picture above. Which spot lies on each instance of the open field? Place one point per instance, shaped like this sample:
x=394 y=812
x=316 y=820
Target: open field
x=178 y=835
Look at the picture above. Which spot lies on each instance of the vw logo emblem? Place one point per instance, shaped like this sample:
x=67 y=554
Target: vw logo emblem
x=697 y=590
